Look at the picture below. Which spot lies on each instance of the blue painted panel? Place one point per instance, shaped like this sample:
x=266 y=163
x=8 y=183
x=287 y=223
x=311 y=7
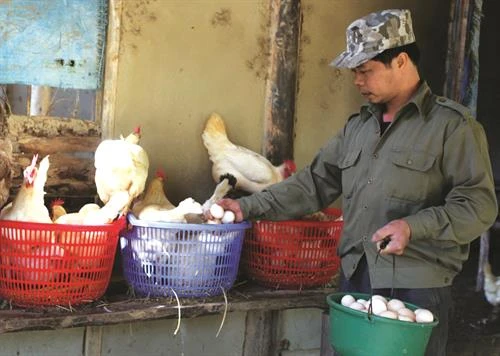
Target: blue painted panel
x=58 y=43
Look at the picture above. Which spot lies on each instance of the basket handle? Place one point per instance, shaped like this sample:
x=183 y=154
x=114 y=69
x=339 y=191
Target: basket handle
x=386 y=240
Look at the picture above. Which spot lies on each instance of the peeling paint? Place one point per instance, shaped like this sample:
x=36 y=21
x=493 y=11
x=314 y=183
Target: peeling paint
x=222 y=18
x=135 y=17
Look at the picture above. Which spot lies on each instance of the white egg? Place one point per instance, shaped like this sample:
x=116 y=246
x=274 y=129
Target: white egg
x=228 y=217
x=405 y=318
x=376 y=296
x=424 y=316
x=395 y=305
x=357 y=306
x=389 y=314
x=407 y=313
x=217 y=211
x=363 y=301
x=347 y=300
x=213 y=221
x=378 y=306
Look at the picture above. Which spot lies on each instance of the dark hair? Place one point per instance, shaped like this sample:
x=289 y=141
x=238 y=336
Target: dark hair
x=388 y=55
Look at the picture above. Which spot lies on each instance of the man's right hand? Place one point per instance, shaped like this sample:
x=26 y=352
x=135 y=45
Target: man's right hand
x=234 y=206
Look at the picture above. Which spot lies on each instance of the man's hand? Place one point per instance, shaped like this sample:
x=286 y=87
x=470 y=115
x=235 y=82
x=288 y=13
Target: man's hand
x=234 y=206
x=399 y=233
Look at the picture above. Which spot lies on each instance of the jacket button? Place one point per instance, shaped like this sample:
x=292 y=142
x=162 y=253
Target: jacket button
x=375 y=155
x=410 y=162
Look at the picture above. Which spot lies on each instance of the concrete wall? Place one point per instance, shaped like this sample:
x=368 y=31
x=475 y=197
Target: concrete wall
x=299 y=331
x=180 y=60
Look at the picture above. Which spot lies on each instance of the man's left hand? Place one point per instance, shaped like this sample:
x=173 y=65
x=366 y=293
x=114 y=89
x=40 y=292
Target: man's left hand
x=399 y=233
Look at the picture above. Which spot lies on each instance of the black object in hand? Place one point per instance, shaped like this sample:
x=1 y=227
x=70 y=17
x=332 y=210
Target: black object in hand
x=385 y=242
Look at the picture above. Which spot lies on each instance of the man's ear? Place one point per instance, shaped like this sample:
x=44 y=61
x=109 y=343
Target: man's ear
x=402 y=59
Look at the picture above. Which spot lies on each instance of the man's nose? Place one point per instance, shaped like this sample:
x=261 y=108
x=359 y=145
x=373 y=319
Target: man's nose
x=358 y=79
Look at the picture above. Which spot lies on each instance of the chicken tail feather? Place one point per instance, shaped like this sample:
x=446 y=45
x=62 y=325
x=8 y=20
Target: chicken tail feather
x=215 y=126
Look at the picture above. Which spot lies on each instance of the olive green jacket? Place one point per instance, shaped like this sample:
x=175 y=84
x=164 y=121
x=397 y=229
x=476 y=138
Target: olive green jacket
x=430 y=167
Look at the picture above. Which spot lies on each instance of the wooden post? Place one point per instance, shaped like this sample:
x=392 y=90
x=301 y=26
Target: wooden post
x=260 y=333
x=326 y=347
x=92 y=341
x=107 y=118
x=281 y=85
x=40 y=101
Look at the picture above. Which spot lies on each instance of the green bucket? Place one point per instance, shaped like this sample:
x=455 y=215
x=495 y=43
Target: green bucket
x=355 y=333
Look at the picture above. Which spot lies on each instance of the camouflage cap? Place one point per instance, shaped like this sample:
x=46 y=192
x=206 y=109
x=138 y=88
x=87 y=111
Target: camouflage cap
x=374 y=33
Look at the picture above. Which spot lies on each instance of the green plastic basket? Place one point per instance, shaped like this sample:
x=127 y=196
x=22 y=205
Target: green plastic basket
x=355 y=333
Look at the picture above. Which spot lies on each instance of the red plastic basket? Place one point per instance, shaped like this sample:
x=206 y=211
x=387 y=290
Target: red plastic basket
x=56 y=264
x=294 y=253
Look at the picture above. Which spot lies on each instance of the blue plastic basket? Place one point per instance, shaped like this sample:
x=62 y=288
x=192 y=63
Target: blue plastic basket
x=194 y=260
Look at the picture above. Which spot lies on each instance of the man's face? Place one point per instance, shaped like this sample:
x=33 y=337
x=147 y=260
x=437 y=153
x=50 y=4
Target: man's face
x=376 y=82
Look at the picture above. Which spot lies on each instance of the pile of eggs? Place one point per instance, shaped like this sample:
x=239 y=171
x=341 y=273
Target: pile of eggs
x=220 y=215
x=393 y=308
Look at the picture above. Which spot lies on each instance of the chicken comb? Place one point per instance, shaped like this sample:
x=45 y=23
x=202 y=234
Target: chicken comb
x=56 y=202
x=160 y=173
x=33 y=161
x=137 y=130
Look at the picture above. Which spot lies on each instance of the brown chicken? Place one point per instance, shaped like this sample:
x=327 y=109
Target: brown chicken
x=154 y=195
x=253 y=172
x=121 y=166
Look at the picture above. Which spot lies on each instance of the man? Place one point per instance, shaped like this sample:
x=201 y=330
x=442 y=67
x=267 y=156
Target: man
x=411 y=166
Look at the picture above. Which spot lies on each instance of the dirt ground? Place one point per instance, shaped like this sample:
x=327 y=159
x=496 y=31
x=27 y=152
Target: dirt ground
x=475 y=324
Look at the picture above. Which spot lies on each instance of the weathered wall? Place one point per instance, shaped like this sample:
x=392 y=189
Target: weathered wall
x=180 y=60
x=326 y=95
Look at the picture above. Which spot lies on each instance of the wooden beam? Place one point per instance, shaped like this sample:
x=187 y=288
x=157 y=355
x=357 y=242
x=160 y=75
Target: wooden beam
x=160 y=308
x=107 y=119
x=281 y=85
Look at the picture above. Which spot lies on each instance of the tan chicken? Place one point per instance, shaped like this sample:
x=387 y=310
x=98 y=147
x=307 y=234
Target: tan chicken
x=29 y=204
x=5 y=169
x=253 y=172
x=57 y=209
x=154 y=195
x=121 y=166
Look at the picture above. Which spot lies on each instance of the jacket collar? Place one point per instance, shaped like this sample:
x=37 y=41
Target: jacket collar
x=421 y=100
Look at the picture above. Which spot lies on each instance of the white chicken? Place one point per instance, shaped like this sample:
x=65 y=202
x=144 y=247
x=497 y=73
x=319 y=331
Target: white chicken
x=176 y=215
x=227 y=182
x=121 y=166
x=253 y=172
x=491 y=285
x=29 y=204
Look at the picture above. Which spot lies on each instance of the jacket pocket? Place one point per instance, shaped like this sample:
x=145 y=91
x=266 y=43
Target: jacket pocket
x=409 y=175
x=348 y=166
